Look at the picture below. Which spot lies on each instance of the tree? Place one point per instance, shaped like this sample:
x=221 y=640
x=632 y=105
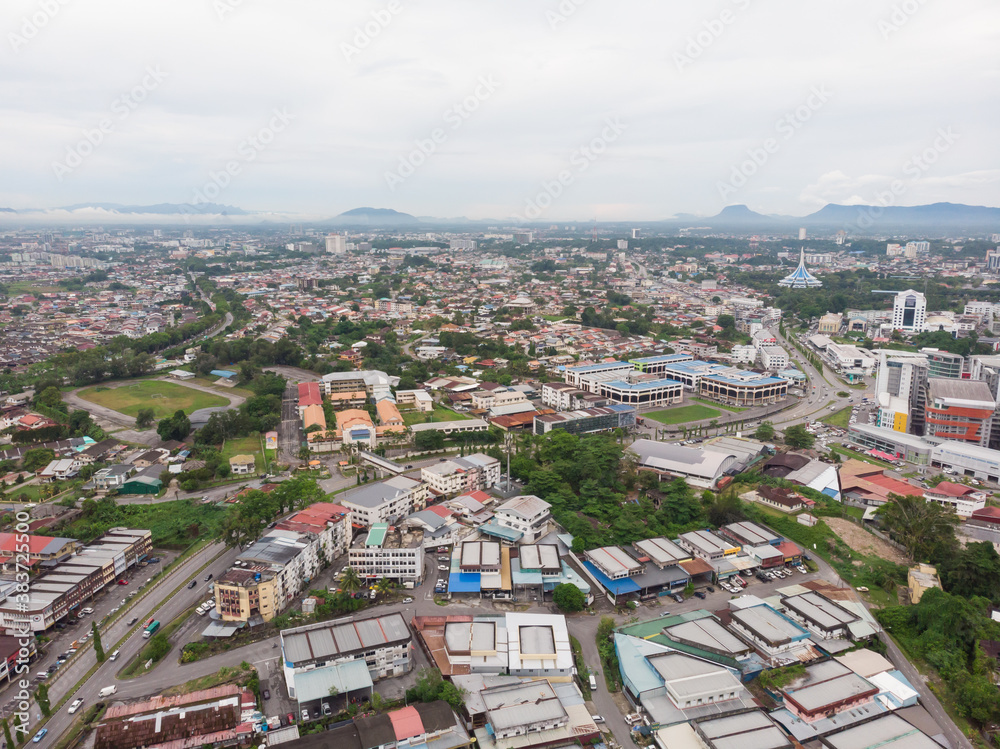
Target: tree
x=797 y=437
x=98 y=646
x=37 y=457
x=765 y=432
x=924 y=528
x=42 y=698
x=145 y=418
x=159 y=646
x=568 y=598
x=175 y=427
x=351 y=582
x=6 y=735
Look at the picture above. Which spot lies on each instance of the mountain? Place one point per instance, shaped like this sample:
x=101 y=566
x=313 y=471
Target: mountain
x=161 y=209
x=7 y=210
x=377 y=217
x=934 y=216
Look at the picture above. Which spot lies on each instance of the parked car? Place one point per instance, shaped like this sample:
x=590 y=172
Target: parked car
x=291 y=718
x=123 y=581
x=305 y=715
x=407 y=600
x=700 y=593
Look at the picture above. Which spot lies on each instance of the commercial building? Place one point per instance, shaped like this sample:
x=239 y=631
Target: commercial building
x=885 y=731
x=68 y=581
x=609 y=370
x=959 y=410
x=389 y=552
x=820 y=615
x=374 y=383
x=909 y=311
x=708 y=545
x=663 y=392
x=525 y=715
x=964 y=500
x=458 y=475
x=247 y=595
x=827 y=689
x=774 y=358
x=428 y=725
x=744 y=388
x=919 y=579
x=386 y=501
x=830 y=323
x=772 y=633
x=586 y=421
x=966 y=459
x=351 y=652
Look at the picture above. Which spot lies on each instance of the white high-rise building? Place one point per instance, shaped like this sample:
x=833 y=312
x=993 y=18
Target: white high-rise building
x=336 y=244
x=909 y=311
x=802 y=233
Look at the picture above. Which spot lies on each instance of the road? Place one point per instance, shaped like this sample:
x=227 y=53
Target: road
x=71 y=672
x=290 y=429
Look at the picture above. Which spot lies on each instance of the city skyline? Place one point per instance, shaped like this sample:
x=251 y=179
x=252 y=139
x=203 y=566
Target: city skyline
x=559 y=111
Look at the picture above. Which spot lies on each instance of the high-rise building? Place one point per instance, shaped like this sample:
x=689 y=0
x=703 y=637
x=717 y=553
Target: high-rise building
x=993 y=260
x=802 y=233
x=336 y=244
x=900 y=391
x=959 y=410
x=909 y=311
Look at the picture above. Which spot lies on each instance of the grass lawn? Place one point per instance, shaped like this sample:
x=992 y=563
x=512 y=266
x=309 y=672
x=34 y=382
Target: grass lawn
x=439 y=413
x=163 y=397
x=713 y=404
x=683 y=414
x=34 y=492
x=839 y=418
x=244 y=446
x=557 y=318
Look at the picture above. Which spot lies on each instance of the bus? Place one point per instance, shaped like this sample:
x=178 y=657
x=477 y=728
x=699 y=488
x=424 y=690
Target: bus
x=151 y=629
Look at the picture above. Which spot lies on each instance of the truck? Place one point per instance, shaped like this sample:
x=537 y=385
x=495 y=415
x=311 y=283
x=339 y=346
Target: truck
x=151 y=629
x=108 y=691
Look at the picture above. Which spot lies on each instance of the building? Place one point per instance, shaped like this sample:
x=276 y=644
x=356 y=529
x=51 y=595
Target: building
x=459 y=475
x=702 y=466
x=336 y=244
x=586 y=421
x=247 y=595
x=919 y=579
x=374 y=383
x=385 y=501
x=419 y=400
x=614 y=370
x=708 y=545
x=827 y=689
x=772 y=633
x=355 y=427
x=800 y=278
x=830 y=323
x=744 y=388
x=329 y=522
x=525 y=715
x=292 y=559
x=241 y=465
x=430 y=725
x=774 y=358
x=959 y=410
x=390 y=552
x=345 y=651
x=35 y=549
x=965 y=459
x=823 y=617
x=909 y=311
x=523 y=518
x=964 y=500
x=885 y=731
x=662 y=392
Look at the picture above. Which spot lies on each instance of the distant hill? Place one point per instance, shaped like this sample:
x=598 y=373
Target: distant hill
x=377 y=217
x=932 y=216
x=739 y=215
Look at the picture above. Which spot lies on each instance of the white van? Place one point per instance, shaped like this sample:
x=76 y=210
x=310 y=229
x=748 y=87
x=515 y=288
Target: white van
x=108 y=691
x=87 y=611
x=114 y=656
x=593 y=683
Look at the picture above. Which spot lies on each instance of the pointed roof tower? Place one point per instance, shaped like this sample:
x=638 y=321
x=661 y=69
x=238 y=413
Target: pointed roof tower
x=800 y=278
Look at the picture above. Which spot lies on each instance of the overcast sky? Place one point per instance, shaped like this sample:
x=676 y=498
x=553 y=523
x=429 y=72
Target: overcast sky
x=571 y=109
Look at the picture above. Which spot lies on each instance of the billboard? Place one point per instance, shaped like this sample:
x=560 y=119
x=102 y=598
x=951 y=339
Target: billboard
x=271 y=441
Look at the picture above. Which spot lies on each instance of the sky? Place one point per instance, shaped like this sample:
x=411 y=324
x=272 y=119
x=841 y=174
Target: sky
x=612 y=110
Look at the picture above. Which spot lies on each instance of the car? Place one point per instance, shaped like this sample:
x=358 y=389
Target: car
x=75 y=705
x=305 y=715
x=132 y=621
x=442 y=460
x=114 y=656
x=133 y=594
x=123 y=581
x=710 y=589
x=803 y=570
x=40 y=735
x=597 y=718
x=291 y=718
x=192 y=584
x=153 y=560
x=443 y=568
x=266 y=694
x=409 y=467
x=373 y=594
x=700 y=593
x=208 y=577
x=407 y=600
x=326 y=709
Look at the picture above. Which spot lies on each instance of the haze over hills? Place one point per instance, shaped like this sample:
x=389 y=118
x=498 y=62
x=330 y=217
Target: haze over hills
x=856 y=220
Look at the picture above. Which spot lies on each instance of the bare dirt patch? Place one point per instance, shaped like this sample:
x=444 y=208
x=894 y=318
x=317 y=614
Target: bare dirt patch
x=864 y=542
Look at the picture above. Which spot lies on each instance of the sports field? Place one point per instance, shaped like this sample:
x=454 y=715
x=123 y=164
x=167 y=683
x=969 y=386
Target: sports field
x=682 y=414
x=163 y=397
x=411 y=417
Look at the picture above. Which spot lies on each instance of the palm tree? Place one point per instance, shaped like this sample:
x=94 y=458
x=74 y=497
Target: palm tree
x=350 y=582
x=384 y=586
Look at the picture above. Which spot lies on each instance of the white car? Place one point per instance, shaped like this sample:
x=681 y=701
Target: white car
x=75 y=705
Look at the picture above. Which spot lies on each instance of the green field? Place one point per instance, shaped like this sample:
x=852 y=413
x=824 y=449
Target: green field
x=683 y=414
x=244 y=446
x=163 y=397
x=438 y=414
x=839 y=418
